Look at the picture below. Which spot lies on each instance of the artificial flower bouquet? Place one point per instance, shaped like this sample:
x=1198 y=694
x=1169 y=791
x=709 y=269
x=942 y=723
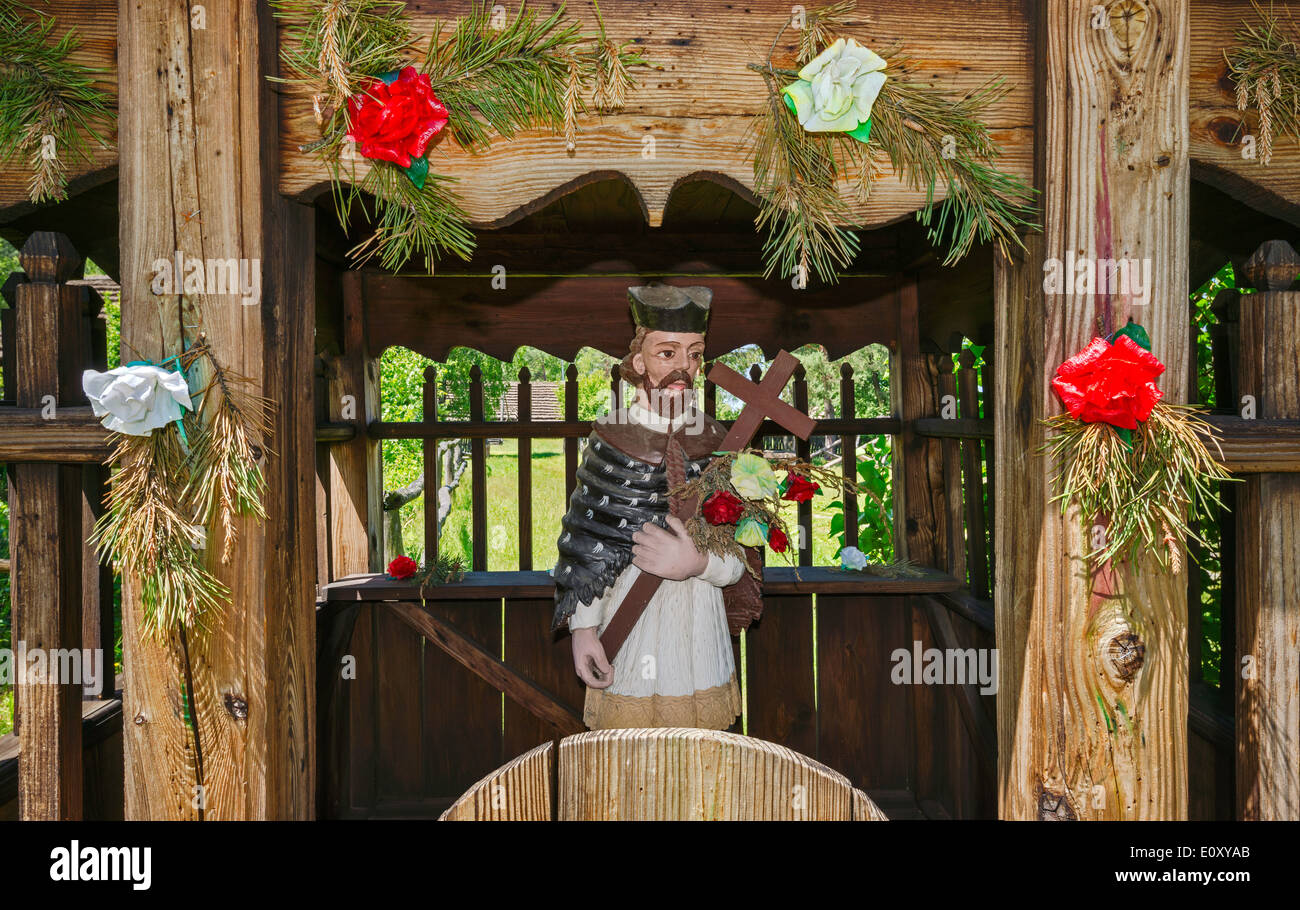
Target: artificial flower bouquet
x=740 y=499
x=1133 y=463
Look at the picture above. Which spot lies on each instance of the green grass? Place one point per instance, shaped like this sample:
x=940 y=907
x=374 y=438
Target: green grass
x=549 y=505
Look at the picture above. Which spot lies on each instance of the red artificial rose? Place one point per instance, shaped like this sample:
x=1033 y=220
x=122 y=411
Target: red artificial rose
x=402 y=568
x=1110 y=383
x=777 y=540
x=395 y=122
x=799 y=489
x=722 y=508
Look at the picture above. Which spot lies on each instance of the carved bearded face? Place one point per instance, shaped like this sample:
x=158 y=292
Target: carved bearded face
x=668 y=363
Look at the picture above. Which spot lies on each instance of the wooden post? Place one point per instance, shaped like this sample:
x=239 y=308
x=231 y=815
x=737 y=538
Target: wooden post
x=196 y=135
x=1092 y=697
x=46 y=534
x=356 y=473
x=1268 y=515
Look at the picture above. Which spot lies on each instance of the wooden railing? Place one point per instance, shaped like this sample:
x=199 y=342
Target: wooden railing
x=62 y=598
x=847 y=427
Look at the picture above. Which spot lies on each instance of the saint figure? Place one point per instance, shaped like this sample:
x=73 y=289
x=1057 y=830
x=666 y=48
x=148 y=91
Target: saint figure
x=676 y=668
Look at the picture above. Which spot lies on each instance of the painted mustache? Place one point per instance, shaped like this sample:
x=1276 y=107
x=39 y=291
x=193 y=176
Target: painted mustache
x=675 y=376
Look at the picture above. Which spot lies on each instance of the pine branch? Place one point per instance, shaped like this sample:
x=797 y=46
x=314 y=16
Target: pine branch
x=43 y=94
x=1265 y=65
x=931 y=138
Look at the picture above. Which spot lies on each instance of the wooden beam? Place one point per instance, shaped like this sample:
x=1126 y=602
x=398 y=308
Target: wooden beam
x=1091 y=726
x=1268 y=563
x=195 y=106
x=672 y=132
x=75 y=438
x=487 y=667
x=430 y=315
x=777 y=581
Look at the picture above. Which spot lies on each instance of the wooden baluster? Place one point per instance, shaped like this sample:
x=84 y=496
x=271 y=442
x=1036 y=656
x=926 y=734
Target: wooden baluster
x=525 y=472
x=8 y=338
x=976 y=542
x=478 y=473
x=615 y=388
x=570 y=442
x=432 y=464
x=46 y=524
x=1268 y=523
x=803 y=451
x=711 y=399
x=986 y=411
x=950 y=452
x=849 y=455
x=97 y=633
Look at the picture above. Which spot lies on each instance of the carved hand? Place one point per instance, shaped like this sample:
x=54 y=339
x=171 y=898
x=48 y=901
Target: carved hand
x=667 y=553
x=589 y=659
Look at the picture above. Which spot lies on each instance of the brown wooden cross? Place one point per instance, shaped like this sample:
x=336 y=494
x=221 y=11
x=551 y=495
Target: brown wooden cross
x=762 y=401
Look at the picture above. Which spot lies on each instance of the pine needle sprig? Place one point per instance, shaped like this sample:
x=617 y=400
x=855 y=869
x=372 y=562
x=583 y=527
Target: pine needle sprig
x=225 y=480
x=332 y=48
x=413 y=222
x=44 y=94
x=497 y=78
x=932 y=138
x=1265 y=65
x=146 y=535
x=502 y=80
x=1151 y=497
x=801 y=210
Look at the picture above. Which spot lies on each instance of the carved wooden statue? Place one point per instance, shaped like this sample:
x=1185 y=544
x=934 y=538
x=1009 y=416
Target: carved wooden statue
x=674 y=665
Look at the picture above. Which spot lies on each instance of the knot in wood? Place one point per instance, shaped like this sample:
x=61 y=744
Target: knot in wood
x=1054 y=807
x=236 y=706
x=139 y=719
x=1127 y=652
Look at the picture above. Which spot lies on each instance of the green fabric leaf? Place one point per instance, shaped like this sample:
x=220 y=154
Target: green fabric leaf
x=418 y=171
x=862 y=132
x=1135 y=332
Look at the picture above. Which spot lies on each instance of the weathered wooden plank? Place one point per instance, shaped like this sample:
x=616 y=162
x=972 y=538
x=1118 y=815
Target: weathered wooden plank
x=579 y=429
x=46 y=527
x=75 y=438
x=781 y=698
x=478 y=476
x=532 y=650
x=855 y=694
x=461 y=713
x=185 y=90
x=1084 y=733
x=1268 y=565
x=973 y=483
x=356 y=481
x=400 y=766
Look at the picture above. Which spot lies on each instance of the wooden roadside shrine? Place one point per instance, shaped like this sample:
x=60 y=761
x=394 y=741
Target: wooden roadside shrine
x=1125 y=123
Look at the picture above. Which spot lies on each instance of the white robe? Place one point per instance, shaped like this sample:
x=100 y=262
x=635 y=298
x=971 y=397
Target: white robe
x=676 y=668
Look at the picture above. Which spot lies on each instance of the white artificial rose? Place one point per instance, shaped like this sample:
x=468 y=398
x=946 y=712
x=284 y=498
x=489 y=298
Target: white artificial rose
x=136 y=400
x=853 y=558
x=837 y=89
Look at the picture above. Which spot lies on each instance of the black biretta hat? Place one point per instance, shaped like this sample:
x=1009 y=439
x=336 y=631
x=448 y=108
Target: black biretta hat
x=663 y=308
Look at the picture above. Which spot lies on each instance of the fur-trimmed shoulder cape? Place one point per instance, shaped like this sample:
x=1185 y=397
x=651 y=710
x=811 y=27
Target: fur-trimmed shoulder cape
x=620 y=485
